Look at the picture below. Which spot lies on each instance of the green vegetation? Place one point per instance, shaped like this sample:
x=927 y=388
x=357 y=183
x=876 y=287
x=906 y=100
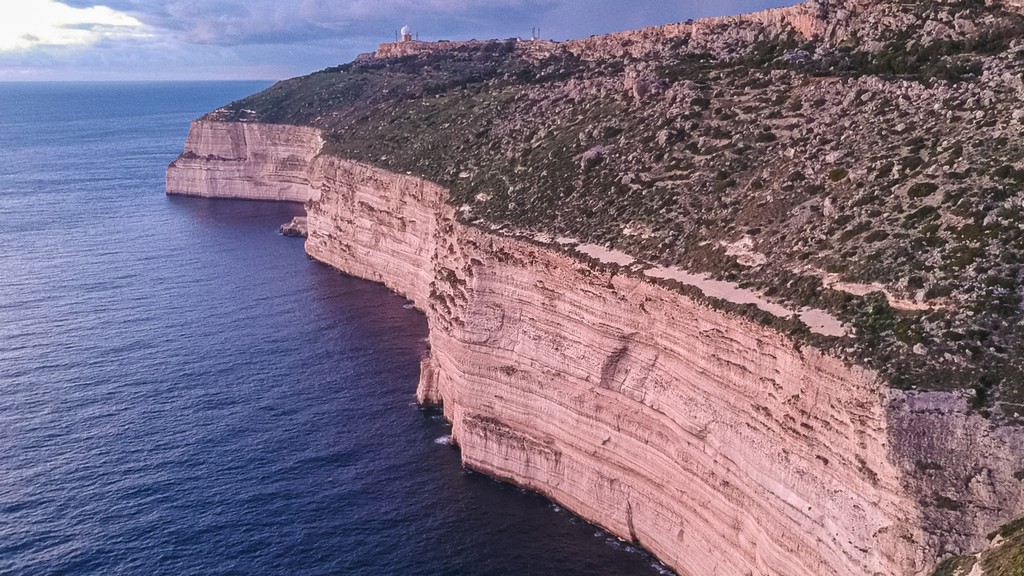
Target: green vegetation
x=955 y=567
x=1003 y=557
x=922 y=189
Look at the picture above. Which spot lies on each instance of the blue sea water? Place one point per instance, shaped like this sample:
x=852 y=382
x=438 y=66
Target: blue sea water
x=183 y=392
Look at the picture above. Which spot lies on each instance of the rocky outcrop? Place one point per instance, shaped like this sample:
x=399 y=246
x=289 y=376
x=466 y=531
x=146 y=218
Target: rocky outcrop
x=296 y=228
x=245 y=160
x=716 y=443
x=411 y=47
x=712 y=35
x=805 y=20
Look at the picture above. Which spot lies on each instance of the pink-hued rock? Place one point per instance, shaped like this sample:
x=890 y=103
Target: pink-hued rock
x=710 y=441
x=245 y=160
x=716 y=443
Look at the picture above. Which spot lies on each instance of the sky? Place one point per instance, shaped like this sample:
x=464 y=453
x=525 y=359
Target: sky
x=274 y=39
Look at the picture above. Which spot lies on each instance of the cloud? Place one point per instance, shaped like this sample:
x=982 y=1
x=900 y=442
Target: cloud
x=241 y=22
x=36 y=23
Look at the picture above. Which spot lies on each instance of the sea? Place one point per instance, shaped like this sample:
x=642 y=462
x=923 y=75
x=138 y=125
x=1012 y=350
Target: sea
x=184 y=392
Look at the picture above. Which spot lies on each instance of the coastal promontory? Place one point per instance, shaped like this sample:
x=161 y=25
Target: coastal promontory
x=743 y=291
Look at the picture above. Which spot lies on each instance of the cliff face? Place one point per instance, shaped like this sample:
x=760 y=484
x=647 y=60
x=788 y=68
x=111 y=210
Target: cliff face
x=245 y=160
x=714 y=442
x=708 y=440
x=821 y=154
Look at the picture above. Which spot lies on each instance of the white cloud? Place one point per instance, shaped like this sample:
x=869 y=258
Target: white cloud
x=26 y=24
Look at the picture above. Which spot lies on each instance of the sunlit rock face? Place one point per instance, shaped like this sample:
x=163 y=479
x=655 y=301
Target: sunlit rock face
x=245 y=160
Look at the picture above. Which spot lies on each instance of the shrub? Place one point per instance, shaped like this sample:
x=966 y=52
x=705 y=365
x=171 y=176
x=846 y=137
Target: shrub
x=886 y=169
x=865 y=200
x=876 y=236
x=911 y=162
x=1008 y=172
x=838 y=174
x=922 y=189
x=921 y=215
x=700 y=102
x=938 y=291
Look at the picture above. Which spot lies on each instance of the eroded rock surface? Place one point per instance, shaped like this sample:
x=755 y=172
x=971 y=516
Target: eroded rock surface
x=245 y=160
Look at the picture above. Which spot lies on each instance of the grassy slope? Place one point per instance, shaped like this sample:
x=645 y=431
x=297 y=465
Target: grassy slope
x=917 y=199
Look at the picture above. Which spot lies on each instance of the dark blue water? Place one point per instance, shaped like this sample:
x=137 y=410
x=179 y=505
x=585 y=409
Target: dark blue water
x=183 y=392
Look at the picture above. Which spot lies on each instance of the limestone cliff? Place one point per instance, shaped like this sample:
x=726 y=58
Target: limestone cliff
x=245 y=160
x=710 y=441
x=717 y=443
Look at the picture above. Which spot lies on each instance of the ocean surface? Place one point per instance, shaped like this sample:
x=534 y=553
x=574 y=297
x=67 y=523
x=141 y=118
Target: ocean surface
x=183 y=392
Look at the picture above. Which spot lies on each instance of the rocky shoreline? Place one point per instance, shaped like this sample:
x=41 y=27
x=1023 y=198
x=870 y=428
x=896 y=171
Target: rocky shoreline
x=297 y=228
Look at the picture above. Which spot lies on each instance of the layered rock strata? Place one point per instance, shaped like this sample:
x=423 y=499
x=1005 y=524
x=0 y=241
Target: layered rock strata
x=245 y=160
x=714 y=442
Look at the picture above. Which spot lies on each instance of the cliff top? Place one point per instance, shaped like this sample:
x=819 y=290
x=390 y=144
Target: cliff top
x=865 y=158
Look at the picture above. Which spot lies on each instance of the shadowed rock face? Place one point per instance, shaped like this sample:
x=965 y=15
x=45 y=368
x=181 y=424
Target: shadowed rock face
x=964 y=472
x=716 y=443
